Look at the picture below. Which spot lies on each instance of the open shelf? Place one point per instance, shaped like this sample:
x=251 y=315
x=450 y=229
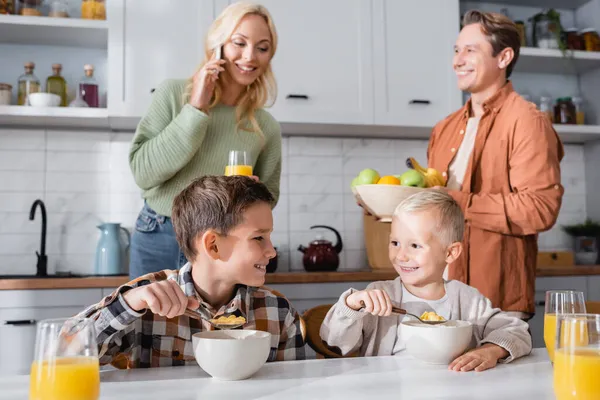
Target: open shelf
x=552 y=61
x=64 y=117
x=577 y=133
x=98 y=118
x=47 y=31
x=561 y=4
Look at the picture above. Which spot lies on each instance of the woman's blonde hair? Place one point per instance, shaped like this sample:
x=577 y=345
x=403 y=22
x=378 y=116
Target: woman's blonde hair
x=259 y=92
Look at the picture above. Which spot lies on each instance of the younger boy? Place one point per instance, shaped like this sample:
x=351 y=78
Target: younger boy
x=426 y=233
x=223 y=226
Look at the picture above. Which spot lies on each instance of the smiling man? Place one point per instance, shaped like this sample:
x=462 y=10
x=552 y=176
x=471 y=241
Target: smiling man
x=501 y=158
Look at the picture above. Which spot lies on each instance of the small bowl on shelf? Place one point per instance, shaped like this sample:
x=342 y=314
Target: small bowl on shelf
x=42 y=99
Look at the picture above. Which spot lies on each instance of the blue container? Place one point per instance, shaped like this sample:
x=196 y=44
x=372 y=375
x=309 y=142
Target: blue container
x=111 y=252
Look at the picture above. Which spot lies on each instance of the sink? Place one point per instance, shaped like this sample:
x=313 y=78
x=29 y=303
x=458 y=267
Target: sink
x=57 y=276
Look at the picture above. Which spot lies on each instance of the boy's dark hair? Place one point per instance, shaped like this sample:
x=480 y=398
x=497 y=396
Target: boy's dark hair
x=214 y=202
x=501 y=32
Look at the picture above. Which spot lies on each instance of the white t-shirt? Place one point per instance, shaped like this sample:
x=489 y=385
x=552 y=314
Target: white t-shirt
x=417 y=306
x=458 y=166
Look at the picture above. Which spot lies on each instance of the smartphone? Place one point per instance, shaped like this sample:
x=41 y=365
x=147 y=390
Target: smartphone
x=218 y=52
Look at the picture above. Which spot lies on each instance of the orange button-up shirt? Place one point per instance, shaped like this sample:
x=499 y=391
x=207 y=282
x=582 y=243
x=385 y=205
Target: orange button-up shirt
x=511 y=192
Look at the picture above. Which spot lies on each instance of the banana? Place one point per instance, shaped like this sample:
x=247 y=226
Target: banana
x=432 y=176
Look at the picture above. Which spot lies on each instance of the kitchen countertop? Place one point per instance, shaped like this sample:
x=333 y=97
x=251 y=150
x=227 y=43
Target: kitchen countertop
x=399 y=377
x=277 y=278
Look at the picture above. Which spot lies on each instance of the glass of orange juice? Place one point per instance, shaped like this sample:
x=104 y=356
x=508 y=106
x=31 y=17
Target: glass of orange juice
x=577 y=357
x=559 y=302
x=65 y=364
x=239 y=164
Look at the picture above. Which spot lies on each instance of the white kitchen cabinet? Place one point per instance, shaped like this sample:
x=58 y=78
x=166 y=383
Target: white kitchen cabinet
x=413 y=49
x=150 y=41
x=323 y=63
x=593 y=288
x=21 y=310
x=18 y=331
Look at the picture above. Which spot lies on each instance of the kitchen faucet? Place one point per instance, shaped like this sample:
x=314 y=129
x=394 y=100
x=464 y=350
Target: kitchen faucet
x=42 y=259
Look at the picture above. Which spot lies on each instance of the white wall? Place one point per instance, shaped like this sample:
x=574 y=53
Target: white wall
x=84 y=178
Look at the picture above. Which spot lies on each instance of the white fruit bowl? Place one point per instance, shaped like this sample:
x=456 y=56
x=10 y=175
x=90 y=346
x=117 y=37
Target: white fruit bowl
x=437 y=344
x=42 y=99
x=382 y=200
x=231 y=355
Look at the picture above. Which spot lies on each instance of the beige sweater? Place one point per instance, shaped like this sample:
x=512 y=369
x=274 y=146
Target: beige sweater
x=351 y=330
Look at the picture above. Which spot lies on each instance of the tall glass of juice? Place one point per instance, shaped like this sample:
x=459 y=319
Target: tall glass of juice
x=577 y=357
x=65 y=364
x=559 y=302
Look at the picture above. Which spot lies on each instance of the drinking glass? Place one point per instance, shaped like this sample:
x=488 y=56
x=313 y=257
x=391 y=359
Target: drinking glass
x=577 y=357
x=65 y=364
x=238 y=164
x=559 y=302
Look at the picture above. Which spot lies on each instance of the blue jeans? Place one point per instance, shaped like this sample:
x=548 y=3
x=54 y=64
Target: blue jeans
x=153 y=245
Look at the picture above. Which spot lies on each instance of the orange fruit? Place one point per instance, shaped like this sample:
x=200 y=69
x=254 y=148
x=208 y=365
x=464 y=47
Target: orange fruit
x=388 y=180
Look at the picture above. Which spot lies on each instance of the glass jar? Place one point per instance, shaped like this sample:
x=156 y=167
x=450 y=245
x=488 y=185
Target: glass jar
x=57 y=85
x=573 y=39
x=30 y=8
x=93 y=9
x=7 y=6
x=546 y=33
x=522 y=34
x=591 y=40
x=5 y=94
x=28 y=83
x=579 y=113
x=59 y=9
x=546 y=107
x=88 y=87
x=564 y=111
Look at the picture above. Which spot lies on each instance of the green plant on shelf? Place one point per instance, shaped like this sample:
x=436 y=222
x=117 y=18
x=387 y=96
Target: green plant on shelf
x=554 y=26
x=589 y=228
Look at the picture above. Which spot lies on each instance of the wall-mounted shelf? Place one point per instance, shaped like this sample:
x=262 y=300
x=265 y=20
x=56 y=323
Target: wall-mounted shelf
x=551 y=61
x=560 y=4
x=47 y=31
x=98 y=118
x=63 y=117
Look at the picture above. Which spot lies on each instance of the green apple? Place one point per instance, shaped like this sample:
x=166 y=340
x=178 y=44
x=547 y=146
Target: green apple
x=367 y=177
x=412 y=178
x=354 y=182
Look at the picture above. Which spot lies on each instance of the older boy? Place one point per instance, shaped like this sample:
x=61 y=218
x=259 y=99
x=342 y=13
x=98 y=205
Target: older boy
x=426 y=234
x=223 y=225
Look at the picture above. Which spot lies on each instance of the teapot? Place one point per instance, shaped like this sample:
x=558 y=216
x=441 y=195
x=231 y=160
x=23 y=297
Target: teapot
x=321 y=254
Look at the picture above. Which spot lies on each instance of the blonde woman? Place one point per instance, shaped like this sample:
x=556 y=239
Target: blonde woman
x=192 y=125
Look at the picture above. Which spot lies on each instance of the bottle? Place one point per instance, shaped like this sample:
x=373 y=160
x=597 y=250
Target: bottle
x=28 y=83
x=579 y=113
x=93 y=9
x=56 y=84
x=88 y=87
x=546 y=107
x=564 y=111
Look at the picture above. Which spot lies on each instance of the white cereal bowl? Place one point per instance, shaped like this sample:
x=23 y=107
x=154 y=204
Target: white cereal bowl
x=42 y=99
x=437 y=344
x=231 y=355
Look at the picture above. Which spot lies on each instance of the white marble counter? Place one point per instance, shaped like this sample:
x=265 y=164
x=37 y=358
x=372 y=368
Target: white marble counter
x=372 y=378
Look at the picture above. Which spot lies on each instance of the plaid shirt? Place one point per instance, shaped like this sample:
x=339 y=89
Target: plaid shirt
x=128 y=339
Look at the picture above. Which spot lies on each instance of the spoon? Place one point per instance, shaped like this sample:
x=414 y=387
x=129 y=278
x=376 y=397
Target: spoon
x=401 y=311
x=217 y=325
